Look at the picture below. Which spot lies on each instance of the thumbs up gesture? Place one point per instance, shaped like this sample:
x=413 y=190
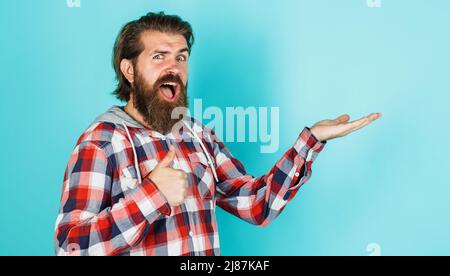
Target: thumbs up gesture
x=171 y=183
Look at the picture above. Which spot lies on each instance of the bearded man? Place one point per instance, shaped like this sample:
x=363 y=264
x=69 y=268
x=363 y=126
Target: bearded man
x=142 y=181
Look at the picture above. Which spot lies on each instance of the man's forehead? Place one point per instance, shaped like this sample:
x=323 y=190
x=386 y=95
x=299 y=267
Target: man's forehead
x=154 y=40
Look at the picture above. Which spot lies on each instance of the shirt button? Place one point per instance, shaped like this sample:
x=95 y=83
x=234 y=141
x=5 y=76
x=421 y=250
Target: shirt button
x=297 y=174
x=73 y=249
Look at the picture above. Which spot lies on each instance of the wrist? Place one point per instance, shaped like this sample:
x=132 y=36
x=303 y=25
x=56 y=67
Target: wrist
x=314 y=134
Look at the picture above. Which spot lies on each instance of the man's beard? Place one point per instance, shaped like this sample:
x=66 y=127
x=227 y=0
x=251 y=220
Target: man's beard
x=157 y=112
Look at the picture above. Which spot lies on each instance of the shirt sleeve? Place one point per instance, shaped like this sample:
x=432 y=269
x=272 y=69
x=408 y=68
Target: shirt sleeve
x=260 y=200
x=88 y=224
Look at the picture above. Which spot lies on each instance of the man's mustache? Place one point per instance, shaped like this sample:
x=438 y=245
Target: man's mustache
x=168 y=78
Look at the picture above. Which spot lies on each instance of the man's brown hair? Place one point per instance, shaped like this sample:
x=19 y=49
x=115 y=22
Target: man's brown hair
x=129 y=46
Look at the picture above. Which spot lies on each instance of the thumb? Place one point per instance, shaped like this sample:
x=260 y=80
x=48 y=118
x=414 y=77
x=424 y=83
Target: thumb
x=170 y=156
x=343 y=118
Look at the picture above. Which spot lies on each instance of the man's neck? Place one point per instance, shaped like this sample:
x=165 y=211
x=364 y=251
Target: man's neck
x=134 y=113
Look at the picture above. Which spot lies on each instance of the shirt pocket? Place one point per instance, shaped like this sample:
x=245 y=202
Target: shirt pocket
x=203 y=175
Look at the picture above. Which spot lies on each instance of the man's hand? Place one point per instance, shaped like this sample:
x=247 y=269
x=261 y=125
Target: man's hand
x=330 y=129
x=171 y=183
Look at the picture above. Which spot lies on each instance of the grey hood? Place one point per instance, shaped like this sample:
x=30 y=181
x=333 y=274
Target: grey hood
x=118 y=116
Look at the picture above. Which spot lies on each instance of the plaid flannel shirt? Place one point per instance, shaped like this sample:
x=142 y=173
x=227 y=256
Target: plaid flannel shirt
x=105 y=211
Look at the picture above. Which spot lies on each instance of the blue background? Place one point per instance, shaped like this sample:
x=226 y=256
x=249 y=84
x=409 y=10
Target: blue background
x=386 y=184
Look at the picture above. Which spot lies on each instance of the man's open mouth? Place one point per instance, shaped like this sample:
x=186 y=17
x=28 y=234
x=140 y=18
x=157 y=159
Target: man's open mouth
x=169 y=91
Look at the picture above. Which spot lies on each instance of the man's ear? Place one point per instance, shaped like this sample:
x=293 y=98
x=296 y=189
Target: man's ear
x=126 y=66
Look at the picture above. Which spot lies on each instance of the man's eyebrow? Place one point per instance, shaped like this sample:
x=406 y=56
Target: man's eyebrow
x=166 y=52
x=160 y=52
x=184 y=50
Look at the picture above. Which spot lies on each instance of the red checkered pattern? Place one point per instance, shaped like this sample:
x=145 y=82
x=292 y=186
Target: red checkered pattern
x=105 y=211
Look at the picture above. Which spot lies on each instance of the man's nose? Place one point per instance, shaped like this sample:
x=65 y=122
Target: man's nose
x=172 y=68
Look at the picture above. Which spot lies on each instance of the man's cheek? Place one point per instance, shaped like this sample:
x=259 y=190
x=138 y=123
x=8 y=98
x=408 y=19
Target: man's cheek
x=184 y=79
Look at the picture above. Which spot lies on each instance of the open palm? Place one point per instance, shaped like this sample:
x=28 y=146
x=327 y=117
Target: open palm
x=330 y=129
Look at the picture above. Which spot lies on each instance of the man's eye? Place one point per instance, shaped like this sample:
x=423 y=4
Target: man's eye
x=158 y=56
x=181 y=58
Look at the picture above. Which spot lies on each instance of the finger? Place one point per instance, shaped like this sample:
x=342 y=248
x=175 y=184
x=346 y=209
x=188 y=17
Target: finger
x=357 y=124
x=375 y=116
x=181 y=174
x=343 y=118
x=170 y=156
x=369 y=118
